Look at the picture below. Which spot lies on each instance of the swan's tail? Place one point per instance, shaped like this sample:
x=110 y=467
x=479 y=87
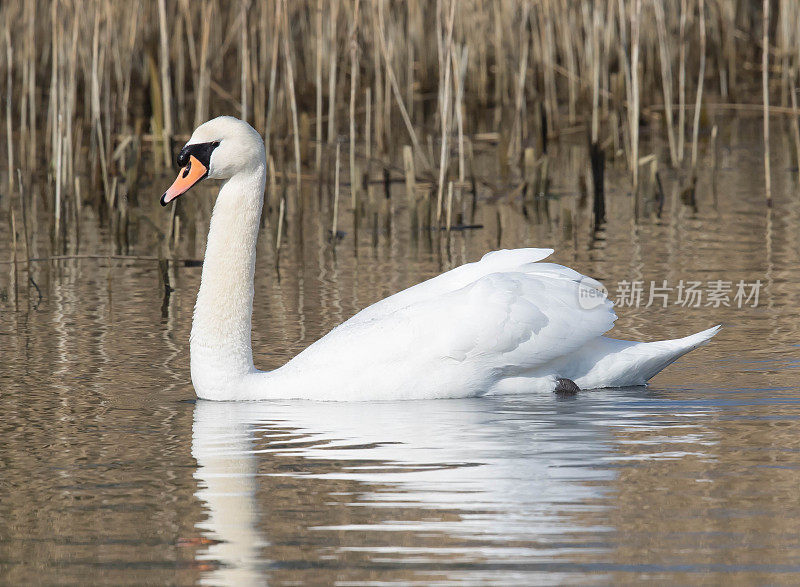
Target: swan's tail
x=664 y=352
x=693 y=341
x=621 y=363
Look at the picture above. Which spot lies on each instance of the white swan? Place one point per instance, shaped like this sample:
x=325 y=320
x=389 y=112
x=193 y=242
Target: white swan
x=505 y=324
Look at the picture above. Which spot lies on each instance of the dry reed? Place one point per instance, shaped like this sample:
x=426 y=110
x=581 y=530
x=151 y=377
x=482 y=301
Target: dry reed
x=87 y=84
x=765 y=90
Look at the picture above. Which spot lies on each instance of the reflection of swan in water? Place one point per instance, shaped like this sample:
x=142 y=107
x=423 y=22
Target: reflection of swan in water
x=222 y=444
x=453 y=481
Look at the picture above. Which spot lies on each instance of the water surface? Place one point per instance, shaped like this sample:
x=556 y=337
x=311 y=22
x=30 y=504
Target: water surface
x=111 y=472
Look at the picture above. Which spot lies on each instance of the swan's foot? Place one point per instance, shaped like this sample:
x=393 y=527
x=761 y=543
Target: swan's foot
x=566 y=386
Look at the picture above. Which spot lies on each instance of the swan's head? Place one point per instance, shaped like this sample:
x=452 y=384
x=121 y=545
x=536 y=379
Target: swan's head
x=219 y=149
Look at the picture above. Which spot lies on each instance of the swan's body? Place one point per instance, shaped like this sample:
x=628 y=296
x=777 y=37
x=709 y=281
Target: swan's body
x=505 y=324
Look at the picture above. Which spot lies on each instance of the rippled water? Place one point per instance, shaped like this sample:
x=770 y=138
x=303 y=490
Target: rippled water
x=110 y=472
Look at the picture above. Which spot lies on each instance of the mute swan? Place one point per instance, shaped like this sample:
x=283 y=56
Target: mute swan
x=505 y=324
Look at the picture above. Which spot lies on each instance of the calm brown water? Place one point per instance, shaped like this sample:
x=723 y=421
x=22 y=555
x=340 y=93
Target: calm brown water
x=111 y=473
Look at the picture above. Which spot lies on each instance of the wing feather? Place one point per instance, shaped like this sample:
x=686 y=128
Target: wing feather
x=470 y=330
x=514 y=322
x=494 y=262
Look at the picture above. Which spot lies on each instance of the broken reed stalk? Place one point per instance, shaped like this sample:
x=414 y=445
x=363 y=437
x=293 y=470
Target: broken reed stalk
x=386 y=116
x=318 y=84
x=714 y=159
x=96 y=114
x=377 y=72
x=765 y=88
x=31 y=88
x=700 y=77
x=53 y=94
x=595 y=136
x=413 y=26
x=395 y=86
x=273 y=72
x=13 y=273
x=203 y=83
x=292 y=100
x=353 y=81
x=332 y=72
x=14 y=238
x=272 y=184
x=795 y=121
x=244 y=58
x=682 y=81
x=666 y=79
x=57 y=219
x=71 y=94
x=445 y=111
x=410 y=174
x=551 y=97
x=460 y=69
x=634 y=110
x=334 y=224
x=569 y=52
x=449 y=204
x=607 y=44
x=625 y=80
x=368 y=138
x=9 y=94
x=259 y=66
x=169 y=242
x=24 y=210
x=281 y=215
x=166 y=92
x=514 y=145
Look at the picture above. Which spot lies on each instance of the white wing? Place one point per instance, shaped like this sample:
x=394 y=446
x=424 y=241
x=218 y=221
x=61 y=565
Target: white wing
x=494 y=262
x=470 y=326
x=508 y=323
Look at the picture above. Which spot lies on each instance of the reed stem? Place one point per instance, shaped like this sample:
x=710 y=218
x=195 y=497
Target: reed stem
x=765 y=88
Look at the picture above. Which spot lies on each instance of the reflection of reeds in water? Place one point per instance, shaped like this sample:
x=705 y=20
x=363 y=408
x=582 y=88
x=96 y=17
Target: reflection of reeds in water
x=102 y=85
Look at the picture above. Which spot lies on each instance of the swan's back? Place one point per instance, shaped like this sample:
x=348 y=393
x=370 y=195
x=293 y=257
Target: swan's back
x=504 y=261
x=459 y=333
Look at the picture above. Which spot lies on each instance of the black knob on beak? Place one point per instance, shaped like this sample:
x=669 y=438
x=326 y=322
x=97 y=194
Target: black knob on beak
x=183 y=157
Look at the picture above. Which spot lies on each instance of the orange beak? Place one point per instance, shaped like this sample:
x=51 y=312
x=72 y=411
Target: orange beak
x=188 y=176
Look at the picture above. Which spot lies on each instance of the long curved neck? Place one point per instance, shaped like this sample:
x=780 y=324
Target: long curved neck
x=220 y=340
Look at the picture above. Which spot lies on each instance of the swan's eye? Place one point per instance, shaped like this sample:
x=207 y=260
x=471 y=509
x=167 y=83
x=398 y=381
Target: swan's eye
x=215 y=144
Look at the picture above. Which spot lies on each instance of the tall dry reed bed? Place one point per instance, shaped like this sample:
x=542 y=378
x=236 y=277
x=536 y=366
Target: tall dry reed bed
x=99 y=93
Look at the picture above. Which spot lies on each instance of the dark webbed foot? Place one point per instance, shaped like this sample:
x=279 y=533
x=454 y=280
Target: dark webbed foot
x=566 y=386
